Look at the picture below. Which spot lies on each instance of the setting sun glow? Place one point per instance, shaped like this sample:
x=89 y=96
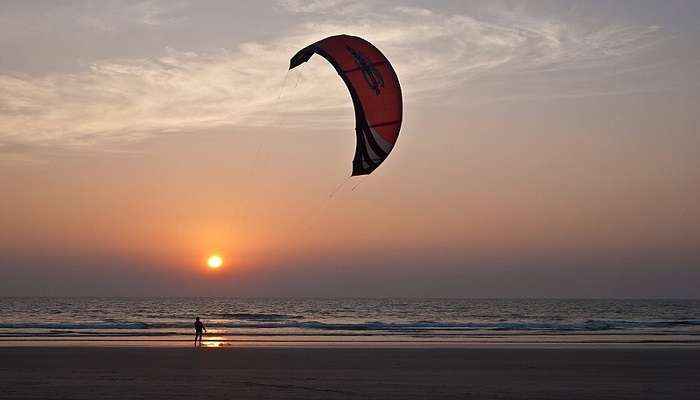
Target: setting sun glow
x=214 y=261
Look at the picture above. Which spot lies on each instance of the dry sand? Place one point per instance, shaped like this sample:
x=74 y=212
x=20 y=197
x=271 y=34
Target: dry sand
x=312 y=373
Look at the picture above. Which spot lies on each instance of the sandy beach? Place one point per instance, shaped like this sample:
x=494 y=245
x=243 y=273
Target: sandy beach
x=362 y=373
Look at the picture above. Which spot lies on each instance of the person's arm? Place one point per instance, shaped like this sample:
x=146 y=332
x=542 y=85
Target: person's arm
x=204 y=327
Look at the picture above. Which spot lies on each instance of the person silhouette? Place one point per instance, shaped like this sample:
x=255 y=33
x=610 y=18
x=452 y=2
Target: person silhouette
x=198 y=327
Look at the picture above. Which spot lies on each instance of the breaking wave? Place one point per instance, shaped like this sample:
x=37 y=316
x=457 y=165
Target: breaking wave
x=270 y=323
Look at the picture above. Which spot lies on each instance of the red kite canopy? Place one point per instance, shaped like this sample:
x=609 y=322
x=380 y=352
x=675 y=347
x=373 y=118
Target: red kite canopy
x=375 y=91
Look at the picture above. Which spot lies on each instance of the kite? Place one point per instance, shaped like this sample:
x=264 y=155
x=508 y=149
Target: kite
x=375 y=91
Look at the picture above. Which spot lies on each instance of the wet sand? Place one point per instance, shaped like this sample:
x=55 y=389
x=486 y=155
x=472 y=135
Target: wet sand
x=374 y=373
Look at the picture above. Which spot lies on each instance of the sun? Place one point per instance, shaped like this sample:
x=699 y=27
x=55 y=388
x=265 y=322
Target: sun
x=214 y=261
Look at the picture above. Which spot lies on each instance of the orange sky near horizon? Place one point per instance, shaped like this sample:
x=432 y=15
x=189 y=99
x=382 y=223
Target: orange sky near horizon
x=172 y=202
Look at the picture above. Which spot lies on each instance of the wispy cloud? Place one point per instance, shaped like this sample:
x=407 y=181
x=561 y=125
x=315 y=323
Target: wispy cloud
x=129 y=100
x=335 y=7
x=121 y=14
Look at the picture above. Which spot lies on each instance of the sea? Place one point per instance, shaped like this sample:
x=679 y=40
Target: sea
x=410 y=321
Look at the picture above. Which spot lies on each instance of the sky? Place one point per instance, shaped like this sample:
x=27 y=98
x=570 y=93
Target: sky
x=548 y=149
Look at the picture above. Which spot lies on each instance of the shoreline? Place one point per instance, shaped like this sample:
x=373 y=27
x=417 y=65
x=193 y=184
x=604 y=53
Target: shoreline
x=368 y=344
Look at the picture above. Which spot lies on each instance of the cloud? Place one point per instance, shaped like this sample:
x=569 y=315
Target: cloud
x=156 y=13
x=129 y=100
x=336 y=7
x=122 y=14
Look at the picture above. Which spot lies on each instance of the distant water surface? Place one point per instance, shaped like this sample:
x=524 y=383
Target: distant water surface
x=355 y=320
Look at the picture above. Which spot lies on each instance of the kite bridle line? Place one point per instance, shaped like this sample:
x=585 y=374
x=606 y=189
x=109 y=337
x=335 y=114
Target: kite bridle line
x=361 y=181
x=340 y=186
x=284 y=82
x=298 y=78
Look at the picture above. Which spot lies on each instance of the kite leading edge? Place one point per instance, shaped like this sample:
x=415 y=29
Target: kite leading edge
x=375 y=91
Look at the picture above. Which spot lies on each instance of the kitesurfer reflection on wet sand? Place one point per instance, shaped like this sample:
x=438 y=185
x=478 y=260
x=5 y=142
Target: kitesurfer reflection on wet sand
x=198 y=328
